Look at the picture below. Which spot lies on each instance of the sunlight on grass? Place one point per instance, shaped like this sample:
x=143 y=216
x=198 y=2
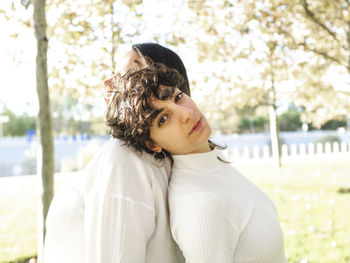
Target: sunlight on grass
x=18 y=217
x=313 y=213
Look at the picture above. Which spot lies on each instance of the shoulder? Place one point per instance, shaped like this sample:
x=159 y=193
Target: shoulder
x=116 y=148
x=116 y=153
x=118 y=166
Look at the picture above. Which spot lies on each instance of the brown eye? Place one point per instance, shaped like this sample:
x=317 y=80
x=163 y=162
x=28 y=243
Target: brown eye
x=179 y=96
x=162 y=120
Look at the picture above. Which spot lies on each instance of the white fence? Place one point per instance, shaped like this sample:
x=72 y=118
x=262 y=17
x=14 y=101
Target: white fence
x=18 y=155
x=289 y=151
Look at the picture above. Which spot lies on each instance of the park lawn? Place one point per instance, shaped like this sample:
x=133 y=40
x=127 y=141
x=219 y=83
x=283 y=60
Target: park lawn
x=315 y=217
x=18 y=217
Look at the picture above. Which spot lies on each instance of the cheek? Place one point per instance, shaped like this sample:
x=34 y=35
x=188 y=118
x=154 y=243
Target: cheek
x=195 y=108
x=161 y=136
x=153 y=135
x=169 y=138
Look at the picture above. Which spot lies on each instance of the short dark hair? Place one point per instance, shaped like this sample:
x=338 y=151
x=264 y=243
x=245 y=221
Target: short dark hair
x=130 y=114
x=159 y=54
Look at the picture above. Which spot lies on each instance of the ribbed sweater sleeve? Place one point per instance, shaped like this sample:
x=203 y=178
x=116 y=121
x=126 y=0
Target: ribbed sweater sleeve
x=202 y=229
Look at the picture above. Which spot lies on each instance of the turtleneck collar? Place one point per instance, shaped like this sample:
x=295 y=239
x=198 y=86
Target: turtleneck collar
x=204 y=162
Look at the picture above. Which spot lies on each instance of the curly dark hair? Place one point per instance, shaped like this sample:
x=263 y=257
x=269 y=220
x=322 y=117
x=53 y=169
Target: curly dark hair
x=161 y=54
x=130 y=113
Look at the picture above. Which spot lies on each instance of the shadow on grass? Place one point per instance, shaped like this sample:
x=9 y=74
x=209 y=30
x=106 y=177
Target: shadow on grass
x=344 y=190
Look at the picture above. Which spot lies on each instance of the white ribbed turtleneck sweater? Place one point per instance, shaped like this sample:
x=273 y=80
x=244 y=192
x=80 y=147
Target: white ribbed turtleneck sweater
x=218 y=215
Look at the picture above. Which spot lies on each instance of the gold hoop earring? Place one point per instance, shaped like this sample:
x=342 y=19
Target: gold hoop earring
x=156 y=161
x=162 y=152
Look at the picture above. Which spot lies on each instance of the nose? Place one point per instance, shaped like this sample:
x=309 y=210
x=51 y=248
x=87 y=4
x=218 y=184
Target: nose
x=108 y=82
x=185 y=113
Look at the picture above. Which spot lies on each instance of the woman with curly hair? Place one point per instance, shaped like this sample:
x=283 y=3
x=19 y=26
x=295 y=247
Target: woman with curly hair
x=116 y=209
x=216 y=214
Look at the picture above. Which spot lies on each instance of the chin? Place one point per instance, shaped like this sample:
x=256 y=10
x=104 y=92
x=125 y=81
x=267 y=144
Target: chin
x=206 y=132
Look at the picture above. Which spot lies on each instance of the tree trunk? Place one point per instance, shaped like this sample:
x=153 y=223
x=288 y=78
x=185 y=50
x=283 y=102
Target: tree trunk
x=274 y=135
x=114 y=36
x=45 y=160
x=348 y=40
x=273 y=117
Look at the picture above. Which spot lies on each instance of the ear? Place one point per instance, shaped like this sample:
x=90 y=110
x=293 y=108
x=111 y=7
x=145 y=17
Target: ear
x=153 y=147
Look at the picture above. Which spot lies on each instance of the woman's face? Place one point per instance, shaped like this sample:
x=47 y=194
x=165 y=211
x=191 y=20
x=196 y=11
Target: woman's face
x=180 y=127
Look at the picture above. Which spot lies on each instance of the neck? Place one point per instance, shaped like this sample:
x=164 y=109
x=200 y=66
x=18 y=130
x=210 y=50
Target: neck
x=204 y=148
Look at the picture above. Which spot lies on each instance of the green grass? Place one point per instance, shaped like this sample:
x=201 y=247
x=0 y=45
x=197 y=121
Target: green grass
x=314 y=216
x=17 y=217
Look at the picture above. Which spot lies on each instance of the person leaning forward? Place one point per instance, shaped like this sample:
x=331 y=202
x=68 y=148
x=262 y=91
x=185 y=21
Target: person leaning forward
x=116 y=209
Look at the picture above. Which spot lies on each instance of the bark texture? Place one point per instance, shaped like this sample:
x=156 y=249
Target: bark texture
x=45 y=161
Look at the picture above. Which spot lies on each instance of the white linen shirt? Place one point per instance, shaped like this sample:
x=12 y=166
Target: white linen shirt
x=114 y=211
x=217 y=215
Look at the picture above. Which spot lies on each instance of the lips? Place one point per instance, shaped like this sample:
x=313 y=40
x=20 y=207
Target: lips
x=197 y=126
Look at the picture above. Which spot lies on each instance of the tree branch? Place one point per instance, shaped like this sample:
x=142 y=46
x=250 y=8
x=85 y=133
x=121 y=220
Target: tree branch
x=321 y=53
x=312 y=16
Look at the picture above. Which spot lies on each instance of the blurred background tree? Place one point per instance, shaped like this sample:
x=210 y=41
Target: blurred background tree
x=243 y=57
x=16 y=125
x=322 y=32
